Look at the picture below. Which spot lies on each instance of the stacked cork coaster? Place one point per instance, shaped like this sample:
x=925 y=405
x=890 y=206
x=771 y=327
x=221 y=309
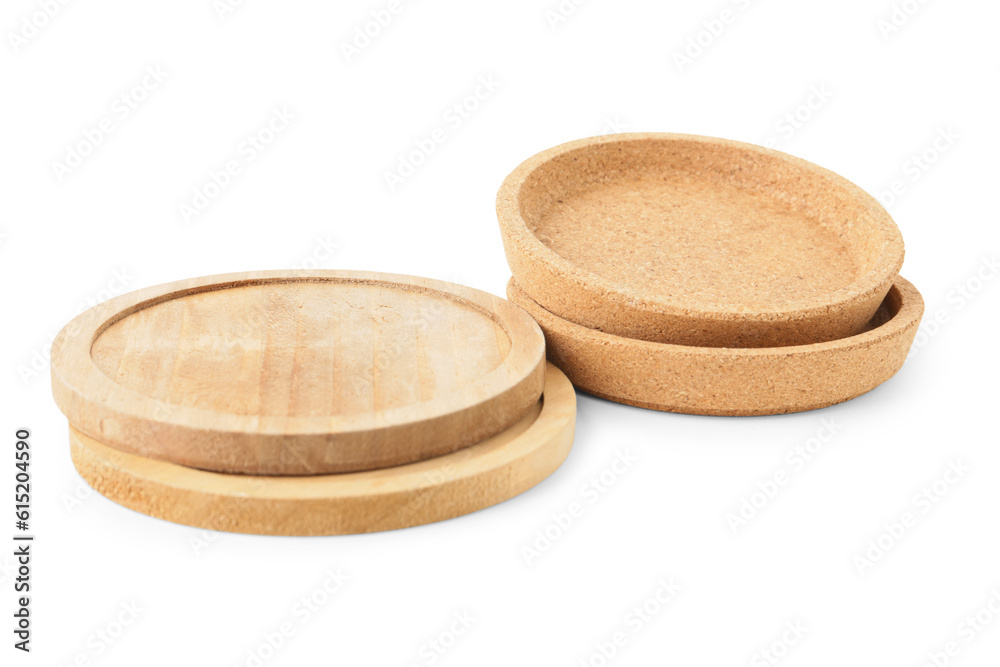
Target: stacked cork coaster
x=310 y=403
x=706 y=276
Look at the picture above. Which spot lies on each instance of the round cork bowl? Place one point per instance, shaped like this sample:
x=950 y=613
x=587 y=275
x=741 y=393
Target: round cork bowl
x=732 y=381
x=692 y=240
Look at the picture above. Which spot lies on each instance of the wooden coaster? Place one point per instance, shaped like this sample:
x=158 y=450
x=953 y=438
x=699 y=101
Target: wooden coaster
x=732 y=381
x=464 y=481
x=696 y=241
x=298 y=372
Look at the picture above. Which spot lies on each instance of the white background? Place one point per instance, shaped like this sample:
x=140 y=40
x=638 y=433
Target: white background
x=115 y=218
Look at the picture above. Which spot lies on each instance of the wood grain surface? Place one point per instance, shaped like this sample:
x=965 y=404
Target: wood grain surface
x=297 y=373
x=359 y=502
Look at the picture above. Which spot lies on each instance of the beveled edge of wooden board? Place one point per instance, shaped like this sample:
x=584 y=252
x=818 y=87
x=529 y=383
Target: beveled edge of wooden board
x=445 y=487
x=99 y=407
x=729 y=381
x=582 y=296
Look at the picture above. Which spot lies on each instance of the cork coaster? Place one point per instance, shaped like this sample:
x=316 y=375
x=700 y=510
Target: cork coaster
x=359 y=502
x=732 y=381
x=696 y=241
x=298 y=372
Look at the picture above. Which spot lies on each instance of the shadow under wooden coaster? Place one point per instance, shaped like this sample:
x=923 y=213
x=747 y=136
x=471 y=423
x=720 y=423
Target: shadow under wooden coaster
x=696 y=241
x=298 y=372
x=464 y=481
x=732 y=381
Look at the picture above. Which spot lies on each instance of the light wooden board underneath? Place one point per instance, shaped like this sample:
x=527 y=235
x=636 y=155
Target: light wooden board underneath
x=360 y=502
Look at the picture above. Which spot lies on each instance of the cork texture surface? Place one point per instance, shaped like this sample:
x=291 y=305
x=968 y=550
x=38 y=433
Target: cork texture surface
x=696 y=241
x=732 y=381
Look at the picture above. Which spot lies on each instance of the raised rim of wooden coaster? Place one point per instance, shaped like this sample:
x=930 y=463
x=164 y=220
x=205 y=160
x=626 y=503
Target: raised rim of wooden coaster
x=694 y=240
x=298 y=372
x=436 y=489
x=732 y=381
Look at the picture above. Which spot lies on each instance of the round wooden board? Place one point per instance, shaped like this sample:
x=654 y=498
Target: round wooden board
x=696 y=241
x=298 y=372
x=731 y=381
x=360 y=502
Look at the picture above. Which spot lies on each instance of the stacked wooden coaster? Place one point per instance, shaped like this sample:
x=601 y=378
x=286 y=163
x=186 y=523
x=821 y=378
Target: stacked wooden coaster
x=310 y=402
x=706 y=276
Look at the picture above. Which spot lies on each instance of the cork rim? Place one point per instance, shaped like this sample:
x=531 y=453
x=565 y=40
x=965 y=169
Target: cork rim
x=906 y=308
x=864 y=288
x=733 y=382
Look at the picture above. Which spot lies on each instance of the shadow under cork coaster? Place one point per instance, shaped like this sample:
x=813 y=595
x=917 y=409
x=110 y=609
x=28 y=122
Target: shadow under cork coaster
x=696 y=241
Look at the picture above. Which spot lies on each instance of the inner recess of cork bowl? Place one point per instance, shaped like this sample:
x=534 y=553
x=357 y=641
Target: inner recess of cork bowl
x=697 y=241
